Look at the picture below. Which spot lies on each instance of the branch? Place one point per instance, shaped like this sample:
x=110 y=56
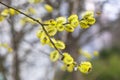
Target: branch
x=37 y=22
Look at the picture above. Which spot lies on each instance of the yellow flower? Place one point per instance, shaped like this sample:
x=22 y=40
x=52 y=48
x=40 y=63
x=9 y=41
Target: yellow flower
x=31 y=10
x=44 y=39
x=72 y=17
x=90 y=20
x=51 y=30
x=88 y=14
x=69 y=28
x=39 y=33
x=50 y=44
x=35 y=1
x=5 y=45
x=96 y=53
x=1 y=18
x=74 y=23
x=10 y=49
x=61 y=20
x=60 y=27
x=60 y=45
x=54 y=55
x=70 y=67
x=87 y=55
x=51 y=22
x=84 y=24
x=12 y=12
x=85 y=67
x=67 y=59
x=5 y=12
x=31 y=1
x=48 y=8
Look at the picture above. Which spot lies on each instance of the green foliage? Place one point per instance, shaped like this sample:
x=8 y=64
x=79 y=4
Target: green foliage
x=107 y=67
x=106 y=53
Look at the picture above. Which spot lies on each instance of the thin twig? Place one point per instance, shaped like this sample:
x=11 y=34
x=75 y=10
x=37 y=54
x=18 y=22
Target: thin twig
x=37 y=22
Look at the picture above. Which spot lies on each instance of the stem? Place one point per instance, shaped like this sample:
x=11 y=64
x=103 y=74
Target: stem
x=37 y=22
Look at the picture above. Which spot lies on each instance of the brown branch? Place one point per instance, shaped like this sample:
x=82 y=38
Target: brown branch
x=38 y=23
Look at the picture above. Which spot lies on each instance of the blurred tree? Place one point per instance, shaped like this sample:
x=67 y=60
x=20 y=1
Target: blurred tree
x=74 y=41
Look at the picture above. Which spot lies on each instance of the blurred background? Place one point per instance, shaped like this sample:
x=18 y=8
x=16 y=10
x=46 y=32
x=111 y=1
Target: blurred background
x=22 y=57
